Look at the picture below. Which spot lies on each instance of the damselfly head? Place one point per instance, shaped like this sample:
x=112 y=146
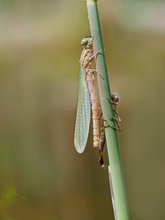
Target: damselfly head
x=115 y=97
x=86 y=41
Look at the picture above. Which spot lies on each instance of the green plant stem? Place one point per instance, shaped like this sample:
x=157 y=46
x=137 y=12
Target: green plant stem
x=116 y=179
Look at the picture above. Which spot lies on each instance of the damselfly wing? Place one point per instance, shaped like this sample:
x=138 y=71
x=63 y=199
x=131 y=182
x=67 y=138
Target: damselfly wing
x=83 y=115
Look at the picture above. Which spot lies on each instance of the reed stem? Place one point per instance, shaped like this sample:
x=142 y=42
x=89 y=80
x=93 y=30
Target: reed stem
x=116 y=180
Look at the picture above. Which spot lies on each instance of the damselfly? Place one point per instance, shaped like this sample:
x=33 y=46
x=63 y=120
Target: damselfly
x=87 y=99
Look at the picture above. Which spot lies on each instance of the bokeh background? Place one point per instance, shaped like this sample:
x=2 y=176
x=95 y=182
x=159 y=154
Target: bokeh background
x=41 y=175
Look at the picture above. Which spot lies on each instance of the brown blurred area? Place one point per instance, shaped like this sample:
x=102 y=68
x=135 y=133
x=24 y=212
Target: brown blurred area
x=41 y=175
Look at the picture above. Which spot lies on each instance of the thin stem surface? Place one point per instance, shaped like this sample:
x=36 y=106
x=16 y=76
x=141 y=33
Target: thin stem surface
x=116 y=179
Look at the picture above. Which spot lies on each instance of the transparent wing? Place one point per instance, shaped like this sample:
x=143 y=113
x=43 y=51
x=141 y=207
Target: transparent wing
x=83 y=115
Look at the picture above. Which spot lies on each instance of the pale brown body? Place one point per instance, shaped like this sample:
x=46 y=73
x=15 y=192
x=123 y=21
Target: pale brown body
x=86 y=63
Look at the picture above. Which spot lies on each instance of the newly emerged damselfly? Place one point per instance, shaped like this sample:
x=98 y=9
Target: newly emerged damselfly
x=87 y=100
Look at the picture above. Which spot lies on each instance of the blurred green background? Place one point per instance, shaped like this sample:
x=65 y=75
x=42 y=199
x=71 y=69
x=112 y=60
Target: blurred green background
x=41 y=175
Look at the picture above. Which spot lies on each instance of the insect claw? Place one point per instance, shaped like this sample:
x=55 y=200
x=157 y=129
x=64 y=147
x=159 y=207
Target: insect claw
x=101 y=76
x=94 y=70
x=113 y=127
x=114 y=118
x=117 y=123
x=98 y=52
x=116 y=128
x=110 y=101
x=106 y=124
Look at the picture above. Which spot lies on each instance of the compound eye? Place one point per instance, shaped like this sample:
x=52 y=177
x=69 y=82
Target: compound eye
x=86 y=40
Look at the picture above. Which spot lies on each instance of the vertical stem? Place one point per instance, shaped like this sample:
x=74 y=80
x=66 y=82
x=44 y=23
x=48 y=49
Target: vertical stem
x=116 y=179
